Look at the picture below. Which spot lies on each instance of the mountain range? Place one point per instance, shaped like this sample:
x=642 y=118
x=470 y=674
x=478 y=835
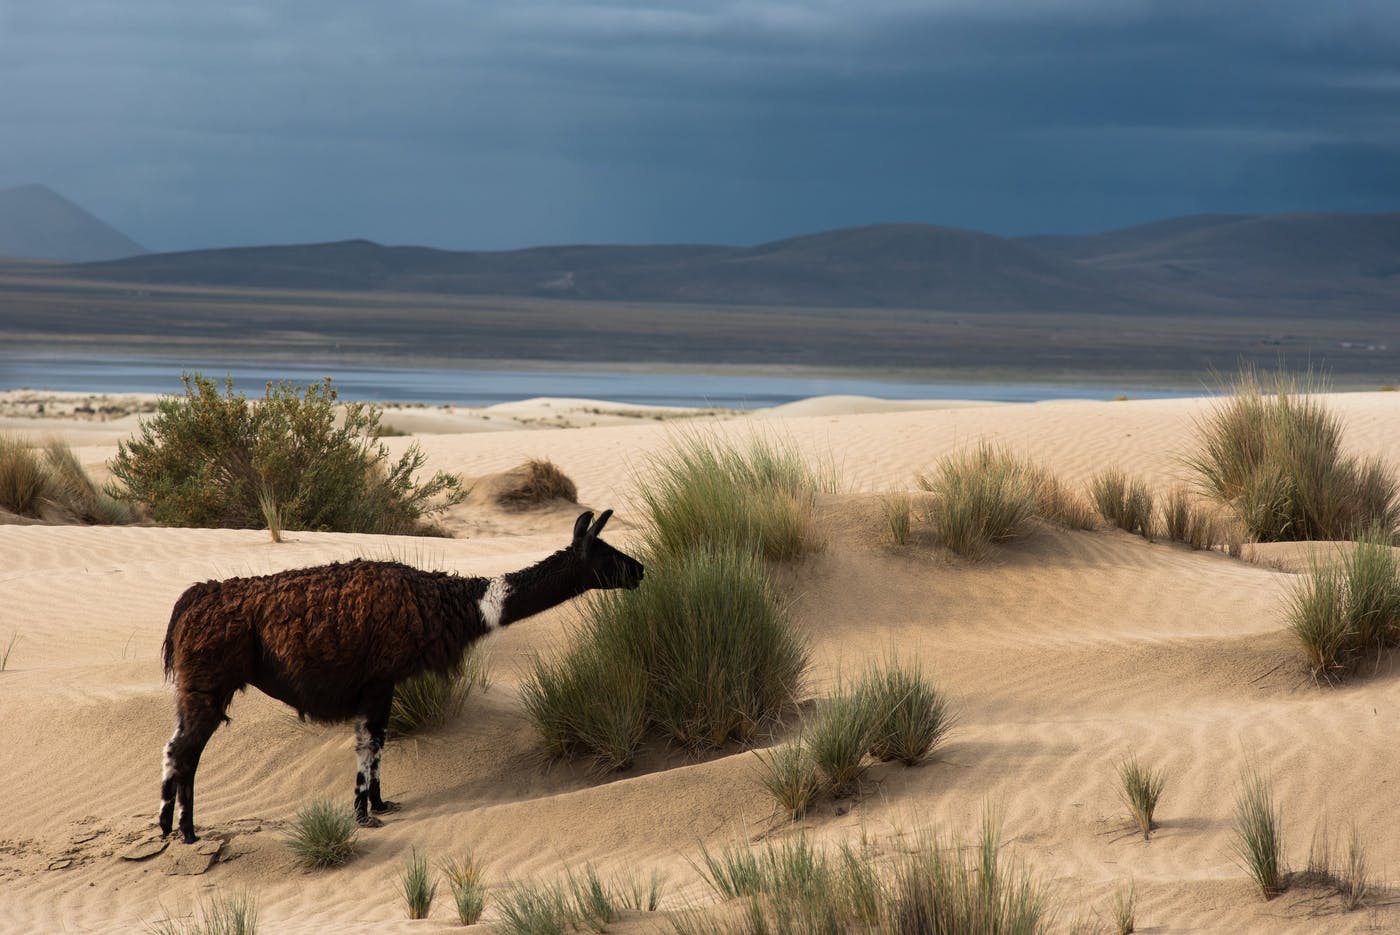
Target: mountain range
x=1306 y=264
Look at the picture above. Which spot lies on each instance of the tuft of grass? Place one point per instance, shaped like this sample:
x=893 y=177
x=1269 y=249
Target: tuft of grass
x=841 y=738
x=910 y=716
x=464 y=879
x=1141 y=788
x=898 y=511
x=431 y=699
x=221 y=914
x=1273 y=450
x=1354 y=884
x=23 y=480
x=639 y=896
x=791 y=777
x=537 y=481
x=323 y=835
x=733 y=872
x=417 y=885
x=1124 y=501
x=1341 y=612
x=982 y=496
x=1125 y=909
x=593 y=900
x=271 y=512
x=706 y=647
x=1056 y=503
x=50 y=482
x=535 y=909
x=1258 y=835
x=1185 y=521
x=205 y=457
x=756 y=499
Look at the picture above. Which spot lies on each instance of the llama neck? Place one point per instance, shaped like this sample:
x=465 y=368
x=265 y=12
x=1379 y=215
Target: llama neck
x=529 y=591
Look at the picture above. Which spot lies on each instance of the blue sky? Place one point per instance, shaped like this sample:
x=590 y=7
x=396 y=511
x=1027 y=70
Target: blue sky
x=452 y=123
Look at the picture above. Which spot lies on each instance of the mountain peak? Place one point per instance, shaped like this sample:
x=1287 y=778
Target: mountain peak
x=37 y=222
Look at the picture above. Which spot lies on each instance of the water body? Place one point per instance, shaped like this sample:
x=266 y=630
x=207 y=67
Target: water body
x=90 y=373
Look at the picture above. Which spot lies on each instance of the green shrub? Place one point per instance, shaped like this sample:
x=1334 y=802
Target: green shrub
x=431 y=699
x=221 y=915
x=1275 y=454
x=417 y=885
x=910 y=717
x=982 y=496
x=324 y=834
x=207 y=459
x=791 y=778
x=705 y=643
x=1258 y=835
x=1141 y=788
x=464 y=879
x=707 y=493
x=1123 y=501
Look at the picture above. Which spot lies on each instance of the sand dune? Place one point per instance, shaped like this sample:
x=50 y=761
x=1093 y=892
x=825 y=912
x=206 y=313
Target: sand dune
x=1062 y=654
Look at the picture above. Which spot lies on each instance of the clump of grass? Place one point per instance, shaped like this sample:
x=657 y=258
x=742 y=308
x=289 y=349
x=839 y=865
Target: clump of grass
x=1125 y=909
x=1186 y=521
x=1258 y=833
x=205 y=458
x=733 y=872
x=705 y=652
x=1342 y=612
x=910 y=717
x=1141 y=788
x=221 y=914
x=593 y=900
x=323 y=835
x=791 y=777
x=640 y=896
x=535 y=482
x=431 y=699
x=1355 y=883
x=535 y=909
x=898 y=511
x=417 y=885
x=705 y=492
x=51 y=483
x=1056 y=503
x=23 y=481
x=1274 y=452
x=841 y=738
x=1124 y=501
x=982 y=496
x=464 y=879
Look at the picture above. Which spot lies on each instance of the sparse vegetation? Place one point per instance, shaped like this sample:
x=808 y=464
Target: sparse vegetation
x=1258 y=833
x=464 y=879
x=323 y=835
x=1186 y=521
x=706 y=493
x=1056 y=503
x=535 y=909
x=1124 y=501
x=1352 y=881
x=50 y=483
x=271 y=512
x=1274 y=452
x=982 y=496
x=593 y=900
x=221 y=914
x=207 y=457
x=1125 y=909
x=1141 y=788
x=898 y=510
x=417 y=885
x=841 y=738
x=1342 y=612
x=703 y=654
x=639 y=896
x=910 y=716
x=430 y=699
x=536 y=482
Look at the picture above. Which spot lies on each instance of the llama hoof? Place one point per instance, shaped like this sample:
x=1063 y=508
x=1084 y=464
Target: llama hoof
x=190 y=838
x=385 y=807
x=368 y=821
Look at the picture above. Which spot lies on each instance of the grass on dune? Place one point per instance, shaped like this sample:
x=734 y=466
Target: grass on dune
x=323 y=835
x=982 y=496
x=1343 y=612
x=1141 y=788
x=417 y=885
x=1273 y=450
x=464 y=880
x=50 y=482
x=220 y=914
x=1259 y=833
x=1124 y=501
x=910 y=716
x=431 y=699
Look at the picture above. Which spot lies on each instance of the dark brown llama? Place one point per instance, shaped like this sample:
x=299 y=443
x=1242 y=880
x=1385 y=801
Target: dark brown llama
x=333 y=640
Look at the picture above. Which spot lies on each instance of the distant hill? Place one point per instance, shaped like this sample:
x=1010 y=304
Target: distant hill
x=38 y=223
x=1296 y=264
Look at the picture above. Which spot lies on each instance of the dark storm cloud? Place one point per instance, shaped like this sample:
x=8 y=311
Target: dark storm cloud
x=463 y=124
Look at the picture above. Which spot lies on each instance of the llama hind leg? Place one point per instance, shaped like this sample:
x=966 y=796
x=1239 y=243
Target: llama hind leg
x=378 y=726
x=196 y=722
x=368 y=745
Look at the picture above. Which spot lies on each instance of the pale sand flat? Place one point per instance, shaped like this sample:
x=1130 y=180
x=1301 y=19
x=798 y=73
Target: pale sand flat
x=1062 y=653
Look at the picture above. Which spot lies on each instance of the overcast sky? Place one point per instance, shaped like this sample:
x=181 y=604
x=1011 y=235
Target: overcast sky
x=468 y=124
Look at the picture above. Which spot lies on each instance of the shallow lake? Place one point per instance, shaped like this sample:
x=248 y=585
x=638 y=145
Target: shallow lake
x=91 y=373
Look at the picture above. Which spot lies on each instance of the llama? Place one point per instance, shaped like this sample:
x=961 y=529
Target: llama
x=332 y=641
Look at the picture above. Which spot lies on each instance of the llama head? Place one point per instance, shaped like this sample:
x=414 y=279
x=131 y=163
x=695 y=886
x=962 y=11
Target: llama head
x=612 y=567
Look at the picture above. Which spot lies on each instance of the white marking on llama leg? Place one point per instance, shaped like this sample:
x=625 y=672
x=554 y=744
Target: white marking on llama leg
x=168 y=772
x=493 y=602
x=364 y=756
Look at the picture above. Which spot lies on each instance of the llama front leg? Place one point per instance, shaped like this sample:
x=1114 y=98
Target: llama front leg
x=366 y=766
x=376 y=725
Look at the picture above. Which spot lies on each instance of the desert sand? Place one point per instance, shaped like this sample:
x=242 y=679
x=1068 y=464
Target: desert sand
x=1062 y=654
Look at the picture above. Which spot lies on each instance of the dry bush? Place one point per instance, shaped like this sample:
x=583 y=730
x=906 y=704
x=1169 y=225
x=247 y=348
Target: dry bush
x=535 y=483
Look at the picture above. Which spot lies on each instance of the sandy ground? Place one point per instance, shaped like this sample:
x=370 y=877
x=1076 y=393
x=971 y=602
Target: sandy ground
x=1062 y=653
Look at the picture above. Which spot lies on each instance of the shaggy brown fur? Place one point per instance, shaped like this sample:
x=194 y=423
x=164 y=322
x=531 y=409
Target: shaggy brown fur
x=332 y=641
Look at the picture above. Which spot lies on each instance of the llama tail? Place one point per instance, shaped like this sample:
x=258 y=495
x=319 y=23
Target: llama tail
x=181 y=605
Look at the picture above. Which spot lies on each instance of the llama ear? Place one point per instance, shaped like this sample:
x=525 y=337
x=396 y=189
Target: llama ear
x=598 y=526
x=581 y=526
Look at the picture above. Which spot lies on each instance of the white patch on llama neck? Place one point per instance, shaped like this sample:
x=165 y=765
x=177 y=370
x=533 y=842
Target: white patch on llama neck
x=493 y=602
